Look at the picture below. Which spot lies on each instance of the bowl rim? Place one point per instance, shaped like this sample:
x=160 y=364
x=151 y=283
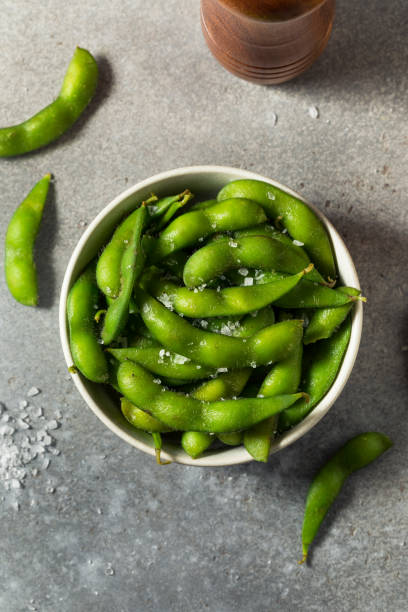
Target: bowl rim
x=233 y=455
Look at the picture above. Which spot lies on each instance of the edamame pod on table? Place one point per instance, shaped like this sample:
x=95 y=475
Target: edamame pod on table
x=185 y=413
x=225 y=302
x=196 y=225
x=52 y=121
x=354 y=455
x=301 y=221
x=262 y=252
x=21 y=276
x=321 y=365
x=86 y=351
x=273 y=343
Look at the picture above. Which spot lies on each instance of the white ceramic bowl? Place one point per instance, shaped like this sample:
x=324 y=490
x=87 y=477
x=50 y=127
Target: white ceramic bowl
x=203 y=181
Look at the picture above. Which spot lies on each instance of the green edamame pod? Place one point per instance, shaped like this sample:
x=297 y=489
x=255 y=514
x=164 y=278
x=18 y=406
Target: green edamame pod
x=248 y=326
x=284 y=377
x=226 y=385
x=131 y=268
x=225 y=302
x=321 y=364
x=194 y=226
x=196 y=442
x=109 y=262
x=159 y=208
x=86 y=351
x=140 y=419
x=159 y=361
x=273 y=343
x=269 y=231
x=202 y=205
x=325 y=321
x=231 y=439
x=301 y=222
x=311 y=295
x=217 y=258
x=354 y=455
x=182 y=200
x=21 y=276
x=52 y=121
x=185 y=413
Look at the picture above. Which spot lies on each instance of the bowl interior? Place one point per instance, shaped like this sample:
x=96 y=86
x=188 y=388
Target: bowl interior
x=205 y=182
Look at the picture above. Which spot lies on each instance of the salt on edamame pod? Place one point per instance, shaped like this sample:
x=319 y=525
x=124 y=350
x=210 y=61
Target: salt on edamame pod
x=321 y=365
x=301 y=222
x=185 y=413
x=273 y=343
x=86 y=351
x=52 y=121
x=21 y=275
x=354 y=455
x=225 y=302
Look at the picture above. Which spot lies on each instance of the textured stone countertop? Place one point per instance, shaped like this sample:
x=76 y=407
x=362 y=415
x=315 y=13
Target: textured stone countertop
x=102 y=528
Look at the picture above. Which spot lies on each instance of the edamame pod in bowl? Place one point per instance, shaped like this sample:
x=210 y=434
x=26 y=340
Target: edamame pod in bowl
x=162 y=349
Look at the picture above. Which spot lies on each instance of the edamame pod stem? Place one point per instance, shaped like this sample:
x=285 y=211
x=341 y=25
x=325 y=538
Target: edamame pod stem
x=109 y=262
x=21 y=275
x=173 y=209
x=301 y=222
x=321 y=364
x=226 y=385
x=194 y=226
x=354 y=455
x=131 y=268
x=226 y=302
x=216 y=258
x=52 y=121
x=185 y=413
x=86 y=351
x=157 y=360
x=273 y=343
x=161 y=207
x=325 y=321
x=284 y=377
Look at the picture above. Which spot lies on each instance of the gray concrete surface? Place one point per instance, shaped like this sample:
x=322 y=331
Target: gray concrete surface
x=103 y=528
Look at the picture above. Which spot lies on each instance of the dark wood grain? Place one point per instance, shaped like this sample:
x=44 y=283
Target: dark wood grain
x=266 y=51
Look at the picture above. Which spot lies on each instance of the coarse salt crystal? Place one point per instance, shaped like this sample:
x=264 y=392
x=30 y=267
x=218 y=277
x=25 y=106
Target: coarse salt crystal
x=248 y=281
x=271 y=195
x=313 y=112
x=33 y=391
x=274 y=119
x=298 y=243
x=52 y=424
x=243 y=271
x=22 y=404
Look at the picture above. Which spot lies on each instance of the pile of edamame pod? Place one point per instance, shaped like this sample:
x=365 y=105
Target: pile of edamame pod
x=220 y=320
